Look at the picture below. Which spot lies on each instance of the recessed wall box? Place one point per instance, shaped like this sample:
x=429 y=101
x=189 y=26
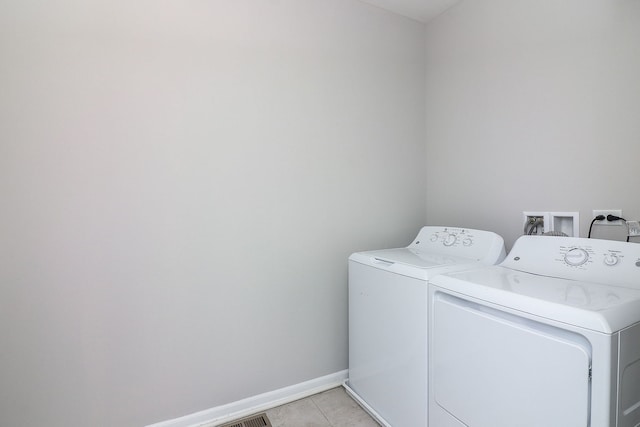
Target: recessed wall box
x=565 y=222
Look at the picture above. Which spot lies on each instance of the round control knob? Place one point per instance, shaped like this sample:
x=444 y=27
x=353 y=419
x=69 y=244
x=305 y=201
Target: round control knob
x=576 y=257
x=611 y=259
x=434 y=237
x=450 y=239
x=467 y=242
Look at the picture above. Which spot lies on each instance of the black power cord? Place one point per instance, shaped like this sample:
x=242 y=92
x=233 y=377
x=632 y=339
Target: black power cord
x=617 y=218
x=608 y=218
x=598 y=218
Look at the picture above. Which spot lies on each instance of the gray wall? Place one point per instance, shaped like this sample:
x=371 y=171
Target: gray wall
x=181 y=184
x=533 y=106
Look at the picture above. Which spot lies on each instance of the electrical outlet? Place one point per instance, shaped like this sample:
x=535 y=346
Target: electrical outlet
x=634 y=228
x=606 y=212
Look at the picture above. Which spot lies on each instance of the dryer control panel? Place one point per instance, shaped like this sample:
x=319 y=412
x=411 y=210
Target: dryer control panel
x=593 y=260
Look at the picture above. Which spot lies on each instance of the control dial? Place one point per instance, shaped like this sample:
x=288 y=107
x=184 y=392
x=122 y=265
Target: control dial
x=450 y=239
x=611 y=259
x=576 y=257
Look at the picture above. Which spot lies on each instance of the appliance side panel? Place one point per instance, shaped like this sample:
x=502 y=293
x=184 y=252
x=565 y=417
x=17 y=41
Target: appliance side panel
x=387 y=343
x=629 y=379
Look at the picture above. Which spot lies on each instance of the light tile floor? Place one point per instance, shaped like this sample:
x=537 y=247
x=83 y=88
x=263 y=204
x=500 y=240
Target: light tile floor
x=332 y=408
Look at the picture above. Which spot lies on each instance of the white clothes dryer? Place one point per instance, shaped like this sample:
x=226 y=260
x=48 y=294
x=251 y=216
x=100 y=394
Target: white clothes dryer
x=388 y=317
x=548 y=338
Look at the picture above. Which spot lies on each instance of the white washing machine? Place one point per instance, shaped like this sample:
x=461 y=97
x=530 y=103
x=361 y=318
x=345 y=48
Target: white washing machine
x=549 y=338
x=388 y=317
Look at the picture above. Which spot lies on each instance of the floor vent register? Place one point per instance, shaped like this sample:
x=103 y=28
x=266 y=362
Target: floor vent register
x=259 y=420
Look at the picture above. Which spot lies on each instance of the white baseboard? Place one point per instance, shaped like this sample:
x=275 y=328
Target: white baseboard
x=364 y=405
x=242 y=408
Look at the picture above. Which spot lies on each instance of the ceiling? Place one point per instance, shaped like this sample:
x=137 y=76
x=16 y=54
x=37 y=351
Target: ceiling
x=420 y=10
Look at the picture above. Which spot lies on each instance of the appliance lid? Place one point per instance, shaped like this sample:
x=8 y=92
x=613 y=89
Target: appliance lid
x=411 y=257
x=595 y=306
x=412 y=262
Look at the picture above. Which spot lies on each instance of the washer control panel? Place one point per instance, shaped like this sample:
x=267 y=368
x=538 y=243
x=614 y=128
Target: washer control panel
x=453 y=236
x=593 y=260
x=480 y=245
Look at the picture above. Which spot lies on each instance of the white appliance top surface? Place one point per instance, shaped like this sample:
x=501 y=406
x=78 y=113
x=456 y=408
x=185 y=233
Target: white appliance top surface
x=416 y=258
x=437 y=250
x=597 y=294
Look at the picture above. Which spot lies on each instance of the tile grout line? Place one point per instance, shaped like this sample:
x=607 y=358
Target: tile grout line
x=321 y=411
